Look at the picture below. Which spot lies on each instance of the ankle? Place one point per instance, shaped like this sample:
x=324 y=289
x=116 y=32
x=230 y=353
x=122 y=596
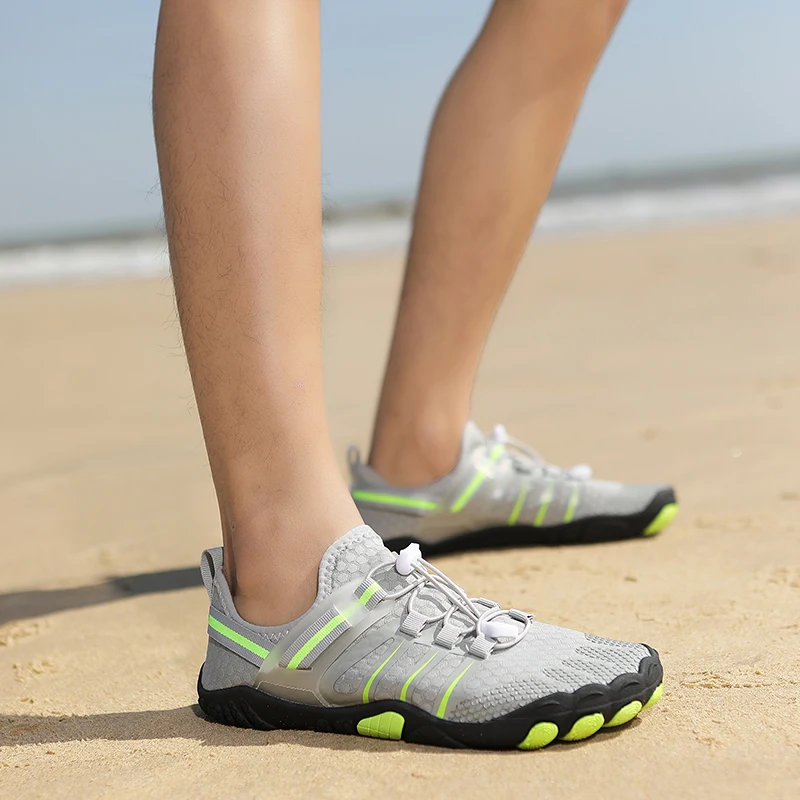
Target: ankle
x=272 y=558
x=409 y=452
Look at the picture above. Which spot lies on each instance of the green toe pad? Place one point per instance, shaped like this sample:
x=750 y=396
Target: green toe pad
x=388 y=725
x=541 y=734
x=655 y=697
x=663 y=518
x=625 y=714
x=584 y=728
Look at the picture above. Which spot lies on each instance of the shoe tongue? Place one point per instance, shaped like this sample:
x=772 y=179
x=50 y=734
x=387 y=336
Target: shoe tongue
x=360 y=550
x=351 y=557
x=431 y=602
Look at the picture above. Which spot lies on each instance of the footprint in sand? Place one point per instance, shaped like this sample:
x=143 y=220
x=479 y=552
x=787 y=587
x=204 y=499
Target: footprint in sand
x=24 y=673
x=13 y=632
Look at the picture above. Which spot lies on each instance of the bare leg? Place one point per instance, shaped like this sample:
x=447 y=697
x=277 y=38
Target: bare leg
x=493 y=152
x=236 y=107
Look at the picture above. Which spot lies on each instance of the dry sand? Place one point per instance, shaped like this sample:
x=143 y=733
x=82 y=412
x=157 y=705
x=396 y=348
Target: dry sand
x=666 y=355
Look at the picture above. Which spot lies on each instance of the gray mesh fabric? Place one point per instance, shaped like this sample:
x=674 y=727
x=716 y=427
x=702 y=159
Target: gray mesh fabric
x=431 y=684
x=350 y=557
x=392 y=523
x=547 y=660
x=395 y=675
x=378 y=634
x=354 y=679
x=223 y=668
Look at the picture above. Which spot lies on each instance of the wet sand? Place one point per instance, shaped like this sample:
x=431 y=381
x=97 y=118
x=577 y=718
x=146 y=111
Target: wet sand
x=670 y=355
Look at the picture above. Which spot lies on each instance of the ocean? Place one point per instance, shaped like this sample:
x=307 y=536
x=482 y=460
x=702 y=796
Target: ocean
x=684 y=196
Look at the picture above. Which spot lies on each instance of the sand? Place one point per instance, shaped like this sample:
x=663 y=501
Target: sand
x=668 y=355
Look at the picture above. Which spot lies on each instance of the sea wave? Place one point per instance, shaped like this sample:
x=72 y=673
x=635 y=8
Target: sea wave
x=107 y=259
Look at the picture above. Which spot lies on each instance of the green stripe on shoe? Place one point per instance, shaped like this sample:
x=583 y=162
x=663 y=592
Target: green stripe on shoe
x=317 y=638
x=475 y=483
x=242 y=641
x=545 y=501
x=368 y=592
x=512 y=520
x=443 y=705
x=365 y=695
x=407 y=684
x=573 y=503
x=394 y=500
x=341 y=619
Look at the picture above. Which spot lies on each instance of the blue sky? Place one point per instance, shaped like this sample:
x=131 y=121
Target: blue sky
x=683 y=80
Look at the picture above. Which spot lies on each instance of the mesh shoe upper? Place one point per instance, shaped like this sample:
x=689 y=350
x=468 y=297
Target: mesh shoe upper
x=389 y=627
x=496 y=482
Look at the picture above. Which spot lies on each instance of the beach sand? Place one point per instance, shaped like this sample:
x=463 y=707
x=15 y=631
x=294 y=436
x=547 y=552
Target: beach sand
x=668 y=355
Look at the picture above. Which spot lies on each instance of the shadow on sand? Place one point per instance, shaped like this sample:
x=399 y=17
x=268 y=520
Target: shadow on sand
x=189 y=723
x=16 y=606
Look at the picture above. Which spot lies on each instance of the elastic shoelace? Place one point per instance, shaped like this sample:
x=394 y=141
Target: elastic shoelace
x=481 y=612
x=527 y=458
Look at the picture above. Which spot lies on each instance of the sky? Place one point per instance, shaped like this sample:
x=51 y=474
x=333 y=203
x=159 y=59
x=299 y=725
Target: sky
x=682 y=81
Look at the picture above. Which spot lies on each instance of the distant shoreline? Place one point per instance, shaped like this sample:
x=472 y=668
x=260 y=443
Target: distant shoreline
x=612 y=203
x=611 y=183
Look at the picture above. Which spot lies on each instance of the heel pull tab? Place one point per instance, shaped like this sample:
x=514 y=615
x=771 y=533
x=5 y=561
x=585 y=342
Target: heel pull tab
x=210 y=563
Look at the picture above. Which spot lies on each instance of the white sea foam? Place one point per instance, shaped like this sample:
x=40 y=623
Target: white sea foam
x=84 y=262
x=93 y=261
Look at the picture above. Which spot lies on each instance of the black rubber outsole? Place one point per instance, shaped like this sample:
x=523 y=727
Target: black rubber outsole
x=247 y=707
x=592 y=530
